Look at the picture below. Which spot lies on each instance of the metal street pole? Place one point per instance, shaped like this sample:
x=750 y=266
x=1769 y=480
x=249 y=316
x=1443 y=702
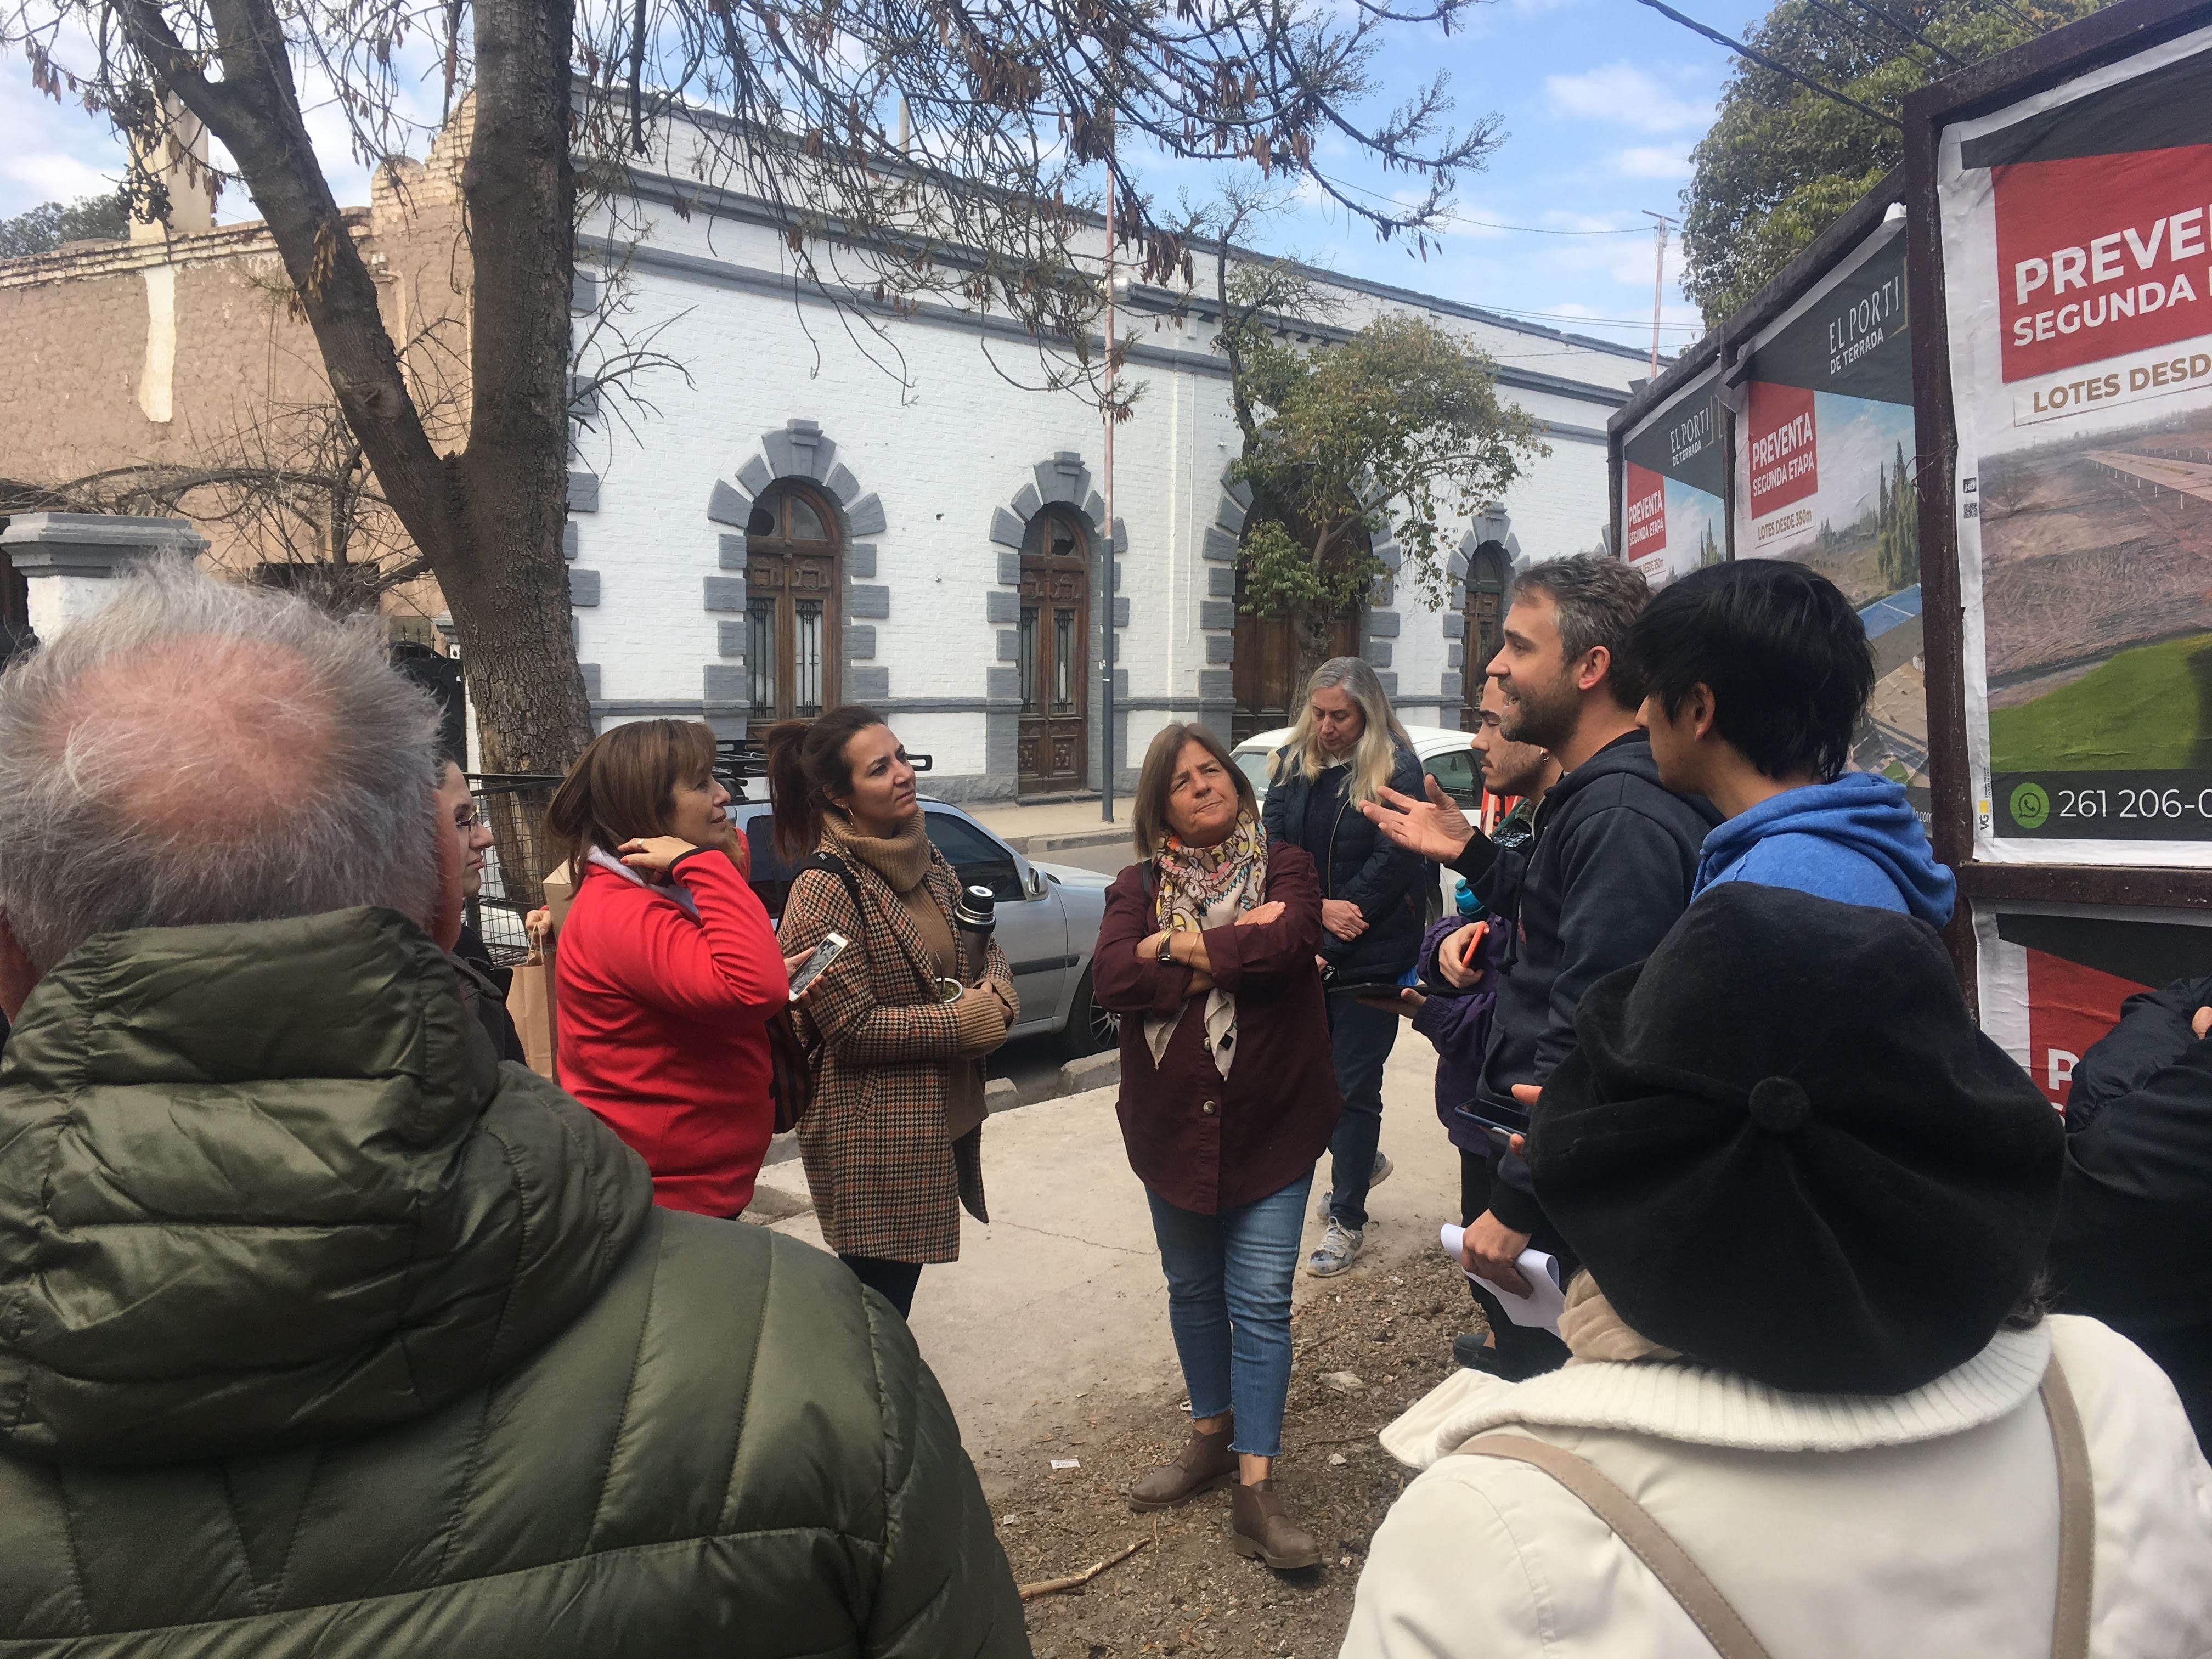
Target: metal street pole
x=1658 y=282
x=1106 y=760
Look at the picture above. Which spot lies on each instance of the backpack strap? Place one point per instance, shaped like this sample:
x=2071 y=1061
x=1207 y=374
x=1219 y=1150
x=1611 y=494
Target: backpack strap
x=1698 y=1595
x=837 y=867
x=2077 y=1518
x=1713 y=1614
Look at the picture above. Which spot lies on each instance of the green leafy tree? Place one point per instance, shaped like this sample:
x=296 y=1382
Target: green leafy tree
x=1384 y=431
x=1897 y=525
x=45 y=228
x=1781 y=162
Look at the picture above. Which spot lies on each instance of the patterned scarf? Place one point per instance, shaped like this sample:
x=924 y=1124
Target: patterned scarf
x=1203 y=887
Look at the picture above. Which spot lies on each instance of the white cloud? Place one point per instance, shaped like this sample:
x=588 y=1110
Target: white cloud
x=50 y=176
x=1630 y=96
x=1653 y=162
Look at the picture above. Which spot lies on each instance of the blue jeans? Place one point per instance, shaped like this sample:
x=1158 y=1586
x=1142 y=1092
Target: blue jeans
x=1359 y=1040
x=1229 y=1305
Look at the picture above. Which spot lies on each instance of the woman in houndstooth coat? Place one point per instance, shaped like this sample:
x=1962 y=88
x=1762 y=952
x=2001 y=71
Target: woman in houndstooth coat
x=893 y=1140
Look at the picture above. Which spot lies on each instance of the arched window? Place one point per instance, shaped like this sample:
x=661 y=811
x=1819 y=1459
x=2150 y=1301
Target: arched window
x=791 y=641
x=1487 y=576
x=1052 y=651
x=1264 y=655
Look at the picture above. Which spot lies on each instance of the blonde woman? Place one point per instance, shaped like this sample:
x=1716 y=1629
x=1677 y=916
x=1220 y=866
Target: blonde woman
x=1346 y=748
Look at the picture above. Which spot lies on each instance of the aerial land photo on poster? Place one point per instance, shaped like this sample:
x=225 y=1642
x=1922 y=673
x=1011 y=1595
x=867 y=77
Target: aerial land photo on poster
x=2097 y=596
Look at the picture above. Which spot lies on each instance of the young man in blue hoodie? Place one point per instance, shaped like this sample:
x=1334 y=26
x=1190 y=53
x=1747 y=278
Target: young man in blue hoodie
x=1754 y=676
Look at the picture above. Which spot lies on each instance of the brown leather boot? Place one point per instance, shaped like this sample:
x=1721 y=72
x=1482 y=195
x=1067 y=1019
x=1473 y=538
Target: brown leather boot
x=1258 y=1527
x=1204 y=1463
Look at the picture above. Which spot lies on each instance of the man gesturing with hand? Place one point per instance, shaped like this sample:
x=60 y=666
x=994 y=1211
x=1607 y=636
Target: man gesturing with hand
x=1609 y=871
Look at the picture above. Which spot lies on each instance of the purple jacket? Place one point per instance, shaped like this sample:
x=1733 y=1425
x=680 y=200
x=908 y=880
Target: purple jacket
x=1458 y=1023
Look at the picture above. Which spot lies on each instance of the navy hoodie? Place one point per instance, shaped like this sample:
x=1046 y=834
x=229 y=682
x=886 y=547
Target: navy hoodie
x=1610 y=871
x=1855 y=840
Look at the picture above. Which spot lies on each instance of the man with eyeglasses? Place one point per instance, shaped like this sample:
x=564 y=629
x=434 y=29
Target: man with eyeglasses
x=481 y=992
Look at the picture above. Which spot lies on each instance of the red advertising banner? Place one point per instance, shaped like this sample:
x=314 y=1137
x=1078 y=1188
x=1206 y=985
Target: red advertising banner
x=1783 y=447
x=2070 y=1007
x=1645 y=516
x=2101 y=255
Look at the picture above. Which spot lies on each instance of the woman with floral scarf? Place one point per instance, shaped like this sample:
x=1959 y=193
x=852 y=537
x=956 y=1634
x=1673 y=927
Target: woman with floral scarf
x=1228 y=1096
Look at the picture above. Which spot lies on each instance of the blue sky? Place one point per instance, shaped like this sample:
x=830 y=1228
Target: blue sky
x=1601 y=101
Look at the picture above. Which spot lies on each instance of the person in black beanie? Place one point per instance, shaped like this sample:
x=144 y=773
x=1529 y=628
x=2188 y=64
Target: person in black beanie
x=1813 y=1403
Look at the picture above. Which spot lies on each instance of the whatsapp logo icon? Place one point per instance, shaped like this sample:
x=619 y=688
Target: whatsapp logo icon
x=2031 y=807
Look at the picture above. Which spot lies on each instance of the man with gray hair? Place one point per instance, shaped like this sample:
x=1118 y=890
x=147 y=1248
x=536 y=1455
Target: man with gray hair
x=321 y=1331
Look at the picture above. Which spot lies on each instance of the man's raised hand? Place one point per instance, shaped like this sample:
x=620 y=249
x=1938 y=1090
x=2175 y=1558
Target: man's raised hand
x=1435 y=827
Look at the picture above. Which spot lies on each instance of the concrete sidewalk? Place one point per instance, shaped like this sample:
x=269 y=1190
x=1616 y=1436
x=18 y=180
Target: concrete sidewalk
x=1056 y=1312
x=1037 y=830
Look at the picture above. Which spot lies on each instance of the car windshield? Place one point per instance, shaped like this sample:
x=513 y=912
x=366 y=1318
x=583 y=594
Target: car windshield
x=1253 y=763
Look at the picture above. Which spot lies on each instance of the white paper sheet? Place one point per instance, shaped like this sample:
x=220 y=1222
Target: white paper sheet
x=1541 y=1309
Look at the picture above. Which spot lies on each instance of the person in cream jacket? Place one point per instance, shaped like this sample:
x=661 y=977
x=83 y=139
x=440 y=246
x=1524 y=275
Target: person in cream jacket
x=1812 y=1200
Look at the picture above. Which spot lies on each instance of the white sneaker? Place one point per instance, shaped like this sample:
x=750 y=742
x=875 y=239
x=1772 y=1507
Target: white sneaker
x=1382 y=1168
x=1338 y=1249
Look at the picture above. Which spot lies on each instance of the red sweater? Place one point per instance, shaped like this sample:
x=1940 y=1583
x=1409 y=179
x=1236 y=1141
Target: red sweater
x=663 y=1026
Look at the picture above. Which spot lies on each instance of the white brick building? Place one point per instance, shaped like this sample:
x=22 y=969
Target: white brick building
x=884 y=539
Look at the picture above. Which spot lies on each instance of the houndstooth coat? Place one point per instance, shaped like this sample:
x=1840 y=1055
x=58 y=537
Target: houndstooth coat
x=886 y=1181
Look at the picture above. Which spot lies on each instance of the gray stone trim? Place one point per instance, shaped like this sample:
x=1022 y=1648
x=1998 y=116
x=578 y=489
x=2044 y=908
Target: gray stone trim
x=842 y=484
x=1377 y=653
x=1390 y=685
x=725 y=593
x=1450 y=689
x=1002 y=604
x=1215 y=683
x=755 y=476
x=860 y=561
x=1063 y=478
x=1010 y=645
x=1007 y=531
x=1219 y=646
x=583 y=492
x=868 y=684
x=1120 y=612
x=1387 y=554
x=583 y=293
x=1002 y=684
x=1219 y=546
x=865 y=600
x=730 y=639
x=1216 y=613
x=1002 y=748
x=865 y=517
x=1010 y=566
x=1221 y=582
x=726 y=683
x=590 y=670
x=1455 y=654
x=860 y=642
x=1027 y=502
x=583 y=396
x=732 y=552
x=583 y=588
x=725 y=505
x=1382 y=624
x=568 y=540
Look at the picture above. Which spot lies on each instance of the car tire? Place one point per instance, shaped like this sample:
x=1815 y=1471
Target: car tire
x=1090 y=1029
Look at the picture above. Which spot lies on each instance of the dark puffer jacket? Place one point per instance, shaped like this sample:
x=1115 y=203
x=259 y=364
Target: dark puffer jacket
x=323 y=1333
x=1360 y=865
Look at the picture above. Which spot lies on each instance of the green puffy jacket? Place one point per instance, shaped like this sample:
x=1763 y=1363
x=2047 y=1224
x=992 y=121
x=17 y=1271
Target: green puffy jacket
x=323 y=1333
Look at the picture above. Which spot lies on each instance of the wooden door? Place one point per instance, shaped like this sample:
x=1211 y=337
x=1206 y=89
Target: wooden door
x=794 y=647
x=1053 y=650
x=1485 y=624
x=1263 y=670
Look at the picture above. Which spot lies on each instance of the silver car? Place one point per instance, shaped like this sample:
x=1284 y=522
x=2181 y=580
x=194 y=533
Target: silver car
x=1048 y=917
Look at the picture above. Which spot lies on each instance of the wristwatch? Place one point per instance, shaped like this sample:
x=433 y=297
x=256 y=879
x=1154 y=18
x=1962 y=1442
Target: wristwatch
x=1167 y=948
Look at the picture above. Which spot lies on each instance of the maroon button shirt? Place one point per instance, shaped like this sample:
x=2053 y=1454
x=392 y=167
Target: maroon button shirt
x=1203 y=1142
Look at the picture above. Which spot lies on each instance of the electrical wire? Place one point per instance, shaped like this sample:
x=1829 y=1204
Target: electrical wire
x=1763 y=60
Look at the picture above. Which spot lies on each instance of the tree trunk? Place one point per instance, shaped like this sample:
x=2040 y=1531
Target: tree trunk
x=488 y=520
x=1311 y=627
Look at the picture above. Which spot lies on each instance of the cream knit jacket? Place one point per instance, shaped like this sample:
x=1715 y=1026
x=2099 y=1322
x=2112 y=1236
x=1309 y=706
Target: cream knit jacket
x=1842 y=1527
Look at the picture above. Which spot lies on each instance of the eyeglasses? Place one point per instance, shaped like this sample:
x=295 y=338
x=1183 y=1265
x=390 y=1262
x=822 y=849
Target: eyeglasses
x=466 y=818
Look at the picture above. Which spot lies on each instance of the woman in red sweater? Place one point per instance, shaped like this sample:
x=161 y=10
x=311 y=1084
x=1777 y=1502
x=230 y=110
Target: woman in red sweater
x=667 y=970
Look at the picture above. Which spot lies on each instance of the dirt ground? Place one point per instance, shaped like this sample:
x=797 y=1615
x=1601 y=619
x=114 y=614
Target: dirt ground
x=1186 y=1592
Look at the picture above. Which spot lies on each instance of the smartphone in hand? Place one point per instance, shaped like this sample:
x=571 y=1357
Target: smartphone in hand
x=810 y=969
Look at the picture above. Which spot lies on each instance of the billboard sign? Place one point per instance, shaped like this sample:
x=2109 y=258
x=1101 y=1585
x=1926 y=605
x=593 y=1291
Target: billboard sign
x=2076 y=230
x=1674 y=479
x=1825 y=476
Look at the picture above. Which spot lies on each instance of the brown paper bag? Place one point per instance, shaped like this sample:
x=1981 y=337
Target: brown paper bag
x=530 y=1005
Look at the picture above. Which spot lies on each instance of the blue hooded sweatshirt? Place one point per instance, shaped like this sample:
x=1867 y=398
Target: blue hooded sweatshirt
x=1855 y=840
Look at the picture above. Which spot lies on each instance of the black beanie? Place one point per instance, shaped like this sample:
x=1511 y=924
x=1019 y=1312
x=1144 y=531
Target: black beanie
x=1782 y=1147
